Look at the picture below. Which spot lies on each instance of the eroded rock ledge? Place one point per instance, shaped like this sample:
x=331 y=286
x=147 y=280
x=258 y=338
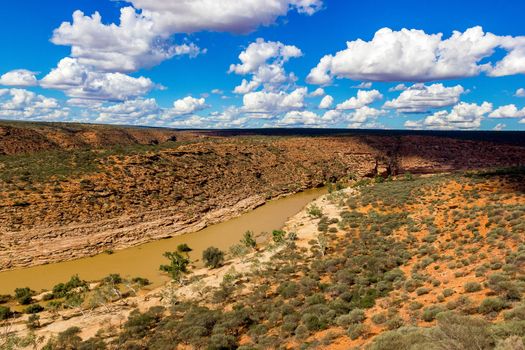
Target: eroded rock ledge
x=136 y=198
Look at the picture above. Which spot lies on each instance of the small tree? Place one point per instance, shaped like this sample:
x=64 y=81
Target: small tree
x=34 y=309
x=314 y=211
x=278 y=236
x=248 y=240
x=24 y=295
x=213 y=257
x=113 y=278
x=177 y=267
x=323 y=243
x=33 y=322
x=184 y=248
x=5 y=313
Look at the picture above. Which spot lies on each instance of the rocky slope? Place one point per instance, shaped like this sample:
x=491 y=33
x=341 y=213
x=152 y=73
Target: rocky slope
x=75 y=198
x=17 y=137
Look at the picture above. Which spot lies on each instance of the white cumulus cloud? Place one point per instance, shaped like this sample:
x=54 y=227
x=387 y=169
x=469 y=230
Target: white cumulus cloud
x=398 y=87
x=361 y=117
x=318 y=92
x=326 y=102
x=79 y=82
x=147 y=112
x=132 y=44
x=300 y=118
x=187 y=105
x=27 y=105
x=520 y=92
x=19 y=77
x=363 y=85
x=262 y=102
x=234 y=16
x=264 y=61
x=364 y=114
x=144 y=35
x=508 y=111
x=140 y=111
x=422 y=98
x=413 y=55
x=462 y=116
x=514 y=62
x=364 y=98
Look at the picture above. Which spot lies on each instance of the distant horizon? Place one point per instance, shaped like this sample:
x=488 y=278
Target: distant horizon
x=255 y=64
x=283 y=128
x=510 y=137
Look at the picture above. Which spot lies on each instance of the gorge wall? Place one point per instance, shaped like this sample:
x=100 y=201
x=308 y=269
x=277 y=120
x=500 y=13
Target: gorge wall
x=94 y=200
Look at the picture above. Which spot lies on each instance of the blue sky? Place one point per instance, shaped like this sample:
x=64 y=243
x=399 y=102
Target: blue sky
x=179 y=65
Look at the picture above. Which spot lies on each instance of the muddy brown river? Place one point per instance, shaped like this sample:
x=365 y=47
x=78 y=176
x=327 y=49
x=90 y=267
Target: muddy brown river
x=144 y=260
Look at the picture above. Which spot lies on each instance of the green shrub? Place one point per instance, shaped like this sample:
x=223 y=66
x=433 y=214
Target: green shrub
x=24 y=296
x=357 y=316
x=48 y=296
x=55 y=305
x=5 y=313
x=448 y=292
x=278 y=236
x=415 y=306
x=238 y=250
x=430 y=313
x=511 y=343
x=314 y=211
x=213 y=257
x=317 y=298
x=394 y=322
x=491 y=305
x=69 y=339
x=33 y=322
x=60 y=290
x=422 y=291
x=222 y=341
x=354 y=317
x=4 y=298
x=517 y=314
x=248 y=240
x=178 y=265
x=113 y=278
x=301 y=332
x=357 y=330
x=184 y=248
x=455 y=331
x=411 y=285
x=290 y=323
x=471 y=287
x=34 y=309
x=379 y=318
x=312 y=322
x=139 y=324
x=142 y=282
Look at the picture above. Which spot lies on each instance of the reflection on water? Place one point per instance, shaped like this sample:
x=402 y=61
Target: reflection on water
x=144 y=260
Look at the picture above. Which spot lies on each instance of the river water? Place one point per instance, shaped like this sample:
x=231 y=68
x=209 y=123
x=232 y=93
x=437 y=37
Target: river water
x=144 y=260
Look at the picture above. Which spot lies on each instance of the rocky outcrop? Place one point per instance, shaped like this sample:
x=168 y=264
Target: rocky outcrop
x=136 y=197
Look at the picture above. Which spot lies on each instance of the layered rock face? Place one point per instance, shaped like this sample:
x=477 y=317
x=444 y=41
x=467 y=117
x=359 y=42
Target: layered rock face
x=130 y=198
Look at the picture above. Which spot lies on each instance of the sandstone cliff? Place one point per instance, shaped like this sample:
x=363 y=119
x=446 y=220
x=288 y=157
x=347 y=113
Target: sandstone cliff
x=73 y=201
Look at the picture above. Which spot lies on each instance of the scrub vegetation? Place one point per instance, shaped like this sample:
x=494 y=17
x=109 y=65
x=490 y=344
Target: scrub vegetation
x=430 y=262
